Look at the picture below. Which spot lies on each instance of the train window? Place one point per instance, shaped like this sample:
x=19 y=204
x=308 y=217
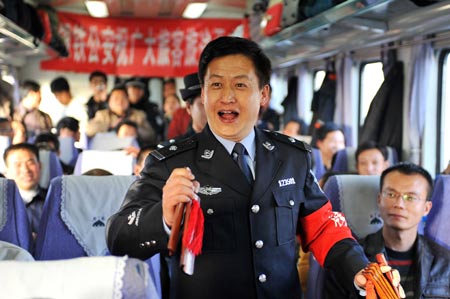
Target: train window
x=445 y=112
x=318 y=79
x=371 y=79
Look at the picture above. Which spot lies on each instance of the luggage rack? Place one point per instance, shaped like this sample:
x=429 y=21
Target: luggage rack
x=15 y=41
x=351 y=25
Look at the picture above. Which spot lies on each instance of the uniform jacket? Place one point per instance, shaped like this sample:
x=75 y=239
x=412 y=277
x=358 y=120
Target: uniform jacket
x=432 y=260
x=249 y=233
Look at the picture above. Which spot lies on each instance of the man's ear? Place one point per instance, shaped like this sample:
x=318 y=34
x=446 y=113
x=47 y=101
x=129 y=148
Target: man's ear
x=265 y=92
x=428 y=206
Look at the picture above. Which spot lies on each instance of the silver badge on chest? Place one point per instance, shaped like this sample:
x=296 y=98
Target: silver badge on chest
x=209 y=190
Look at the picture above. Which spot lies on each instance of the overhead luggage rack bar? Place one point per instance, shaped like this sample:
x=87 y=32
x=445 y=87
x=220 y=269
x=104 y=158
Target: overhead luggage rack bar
x=11 y=30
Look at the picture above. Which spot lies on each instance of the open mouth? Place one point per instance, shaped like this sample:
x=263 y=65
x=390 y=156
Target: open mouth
x=228 y=115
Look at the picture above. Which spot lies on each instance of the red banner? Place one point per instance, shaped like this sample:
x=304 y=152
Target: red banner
x=138 y=47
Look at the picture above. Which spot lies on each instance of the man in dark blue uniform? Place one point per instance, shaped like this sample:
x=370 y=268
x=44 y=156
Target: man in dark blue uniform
x=250 y=226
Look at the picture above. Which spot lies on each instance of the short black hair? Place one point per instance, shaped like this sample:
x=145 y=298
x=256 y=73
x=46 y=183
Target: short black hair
x=21 y=146
x=409 y=168
x=126 y=122
x=117 y=87
x=27 y=86
x=42 y=140
x=368 y=145
x=301 y=124
x=142 y=151
x=59 y=84
x=98 y=74
x=68 y=122
x=322 y=132
x=232 y=45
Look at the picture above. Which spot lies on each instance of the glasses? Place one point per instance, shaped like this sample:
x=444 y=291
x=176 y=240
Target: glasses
x=411 y=198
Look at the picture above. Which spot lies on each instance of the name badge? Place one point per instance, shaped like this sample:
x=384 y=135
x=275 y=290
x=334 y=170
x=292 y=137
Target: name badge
x=286 y=182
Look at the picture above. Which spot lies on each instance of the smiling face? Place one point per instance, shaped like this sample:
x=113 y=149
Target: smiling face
x=23 y=167
x=232 y=97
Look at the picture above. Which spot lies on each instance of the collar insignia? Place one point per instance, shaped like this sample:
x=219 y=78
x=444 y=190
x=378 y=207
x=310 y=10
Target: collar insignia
x=291 y=139
x=207 y=154
x=209 y=190
x=173 y=148
x=269 y=146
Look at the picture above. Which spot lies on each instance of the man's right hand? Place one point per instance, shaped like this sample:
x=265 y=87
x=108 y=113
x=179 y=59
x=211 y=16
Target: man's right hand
x=181 y=186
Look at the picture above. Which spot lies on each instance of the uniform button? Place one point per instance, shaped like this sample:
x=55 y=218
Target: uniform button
x=153 y=242
x=209 y=211
x=262 y=278
x=291 y=202
x=148 y=244
x=141 y=245
x=255 y=209
x=259 y=244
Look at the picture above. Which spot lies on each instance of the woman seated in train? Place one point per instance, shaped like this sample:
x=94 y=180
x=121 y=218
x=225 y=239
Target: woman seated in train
x=118 y=111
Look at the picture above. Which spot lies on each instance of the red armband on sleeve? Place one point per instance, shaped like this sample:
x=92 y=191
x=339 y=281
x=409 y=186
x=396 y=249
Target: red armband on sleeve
x=321 y=230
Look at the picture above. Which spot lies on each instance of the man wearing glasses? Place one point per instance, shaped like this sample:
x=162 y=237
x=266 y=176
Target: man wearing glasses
x=404 y=198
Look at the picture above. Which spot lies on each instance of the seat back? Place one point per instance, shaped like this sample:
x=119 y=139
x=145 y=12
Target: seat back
x=75 y=214
x=108 y=141
x=317 y=164
x=9 y=251
x=69 y=153
x=86 y=277
x=50 y=167
x=356 y=197
x=344 y=160
x=87 y=160
x=437 y=219
x=14 y=224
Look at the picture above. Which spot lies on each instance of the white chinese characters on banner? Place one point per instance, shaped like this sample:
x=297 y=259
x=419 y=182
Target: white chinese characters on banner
x=152 y=48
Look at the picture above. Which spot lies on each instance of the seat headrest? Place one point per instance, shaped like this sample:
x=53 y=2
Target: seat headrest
x=437 y=219
x=86 y=204
x=86 y=277
x=356 y=197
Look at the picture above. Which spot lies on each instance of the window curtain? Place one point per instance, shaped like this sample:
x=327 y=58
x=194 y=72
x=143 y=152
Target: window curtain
x=346 y=94
x=422 y=88
x=384 y=121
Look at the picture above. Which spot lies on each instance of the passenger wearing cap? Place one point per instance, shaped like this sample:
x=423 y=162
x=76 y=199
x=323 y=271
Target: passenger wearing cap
x=138 y=95
x=192 y=119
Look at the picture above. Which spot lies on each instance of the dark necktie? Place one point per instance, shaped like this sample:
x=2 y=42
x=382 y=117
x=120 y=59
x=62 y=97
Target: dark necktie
x=239 y=153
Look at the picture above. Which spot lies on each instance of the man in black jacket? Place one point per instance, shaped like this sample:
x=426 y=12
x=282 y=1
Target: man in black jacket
x=405 y=194
x=249 y=241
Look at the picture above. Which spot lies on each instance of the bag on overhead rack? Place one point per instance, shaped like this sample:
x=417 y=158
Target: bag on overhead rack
x=310 y=8
x=30 y=21
x=291 y=13
x=52 y=37
x=273 y=17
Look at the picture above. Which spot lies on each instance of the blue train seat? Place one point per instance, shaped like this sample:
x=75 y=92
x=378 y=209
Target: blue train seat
x=14 y=225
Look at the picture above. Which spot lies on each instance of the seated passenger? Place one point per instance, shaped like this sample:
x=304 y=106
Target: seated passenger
x=371 y=159
x=292 y=128
x=119 y=110
x=404 y=198
x=140 y=160
x=68 y=131
x=128 y=129
x=23 y=166
x=329 y=139
x=27 y=112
